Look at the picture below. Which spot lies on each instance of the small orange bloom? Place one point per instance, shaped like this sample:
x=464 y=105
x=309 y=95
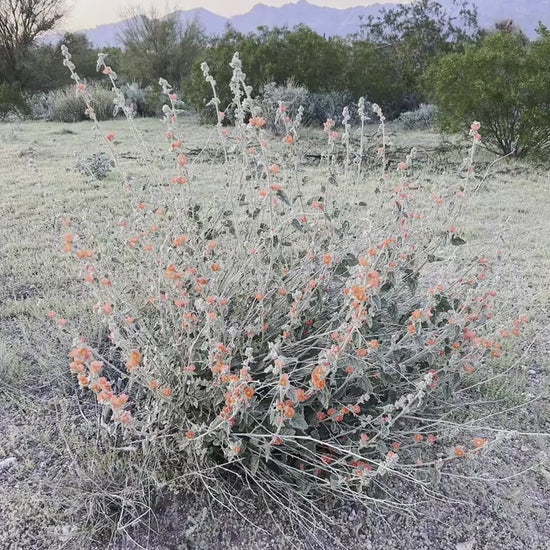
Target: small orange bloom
x=479 y=442
x=289 y=412
x=418 y=437
x=318 y=377
x=289 y=139
x=258 y=121
x=135 y=358
x=167 y=392
x=154 y=384
x=190 y=434
x=327 y=259
x=96 y=366
x=180 y=240
x=459 y=451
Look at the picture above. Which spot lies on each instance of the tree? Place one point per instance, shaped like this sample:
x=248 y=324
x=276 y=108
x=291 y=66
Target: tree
x=505 y=84
x=21 y=23
x=160 y=47
x=411 y=36
x=46 y=69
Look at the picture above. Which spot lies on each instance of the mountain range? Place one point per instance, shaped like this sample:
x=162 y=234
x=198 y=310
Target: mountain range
x=526 y=14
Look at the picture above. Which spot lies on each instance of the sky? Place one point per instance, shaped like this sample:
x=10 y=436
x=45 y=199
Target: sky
x=85 y=14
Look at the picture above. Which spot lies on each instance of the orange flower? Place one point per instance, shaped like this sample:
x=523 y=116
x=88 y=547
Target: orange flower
x=167 y=392
x=190 y=434
x=327 y=259
x=263 y=192
x=108 y=308
x=215 y=266
x=359 y=292
x=110 y=136
x=154 y=384
x=318 y=377
x=459 y=451
x=375 y=344
x=259 y=296
x=283 y=381
x=182 y=159
x=431 y=438
x=289 y=139
x=479 y=442
x=172 y=273
x=258 y=121
x=82 y=253
x=96 y=366
x=418 y=437
x=180 y=240
x=176 y=143
x=374 y=278
x=248 y=391
x=289 y=412
x=135 y=358
x=301 y=395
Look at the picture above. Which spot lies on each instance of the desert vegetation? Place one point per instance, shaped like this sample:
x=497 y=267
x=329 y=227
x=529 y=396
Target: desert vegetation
x=333 y=320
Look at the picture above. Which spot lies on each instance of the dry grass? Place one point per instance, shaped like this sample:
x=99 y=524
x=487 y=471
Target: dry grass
x=40 y=186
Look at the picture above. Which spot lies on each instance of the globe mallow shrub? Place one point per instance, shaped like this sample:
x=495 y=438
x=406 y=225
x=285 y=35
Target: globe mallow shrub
x=296 y=332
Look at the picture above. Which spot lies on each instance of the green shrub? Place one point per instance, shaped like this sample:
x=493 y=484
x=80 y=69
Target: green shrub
x=422 y=118
x=11 y=100
x=504 y=82
x=68 y=106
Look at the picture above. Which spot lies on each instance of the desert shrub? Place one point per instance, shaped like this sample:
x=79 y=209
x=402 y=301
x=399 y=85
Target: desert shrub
x=506 y=81
x=95 y=166
x=40 y=106
x=421 y=119
x=324 y=105
x=304 y=336
x=146 y=102
x=290 y=95
x=68 y=106
x=12 y=100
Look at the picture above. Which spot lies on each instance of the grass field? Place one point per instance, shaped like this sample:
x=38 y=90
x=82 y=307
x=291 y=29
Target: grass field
x=501 y=500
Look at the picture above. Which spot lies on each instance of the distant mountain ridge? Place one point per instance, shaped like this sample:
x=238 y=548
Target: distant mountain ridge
x=332 y=21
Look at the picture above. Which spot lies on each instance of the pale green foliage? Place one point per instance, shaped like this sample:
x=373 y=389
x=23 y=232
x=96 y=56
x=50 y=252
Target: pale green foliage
x=67 y=106
x=283 y=329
